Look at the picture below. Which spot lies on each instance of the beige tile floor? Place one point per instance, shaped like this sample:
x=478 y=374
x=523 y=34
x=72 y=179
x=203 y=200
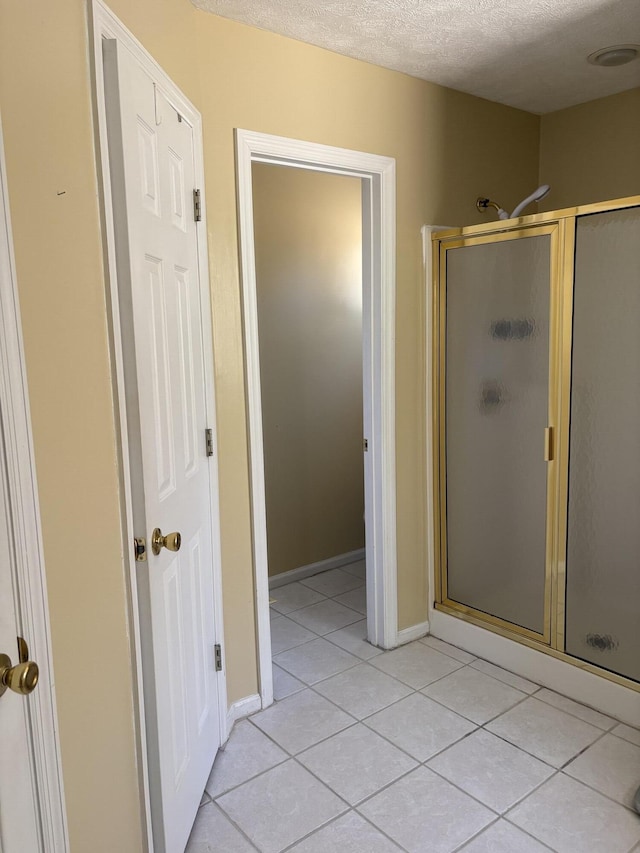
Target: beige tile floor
x=423 y=749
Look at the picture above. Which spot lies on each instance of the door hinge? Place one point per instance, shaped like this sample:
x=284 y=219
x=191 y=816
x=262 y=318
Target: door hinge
x=365 y=444
x=209 y=441
x=217 y=652
x=197 y=206
x=548 y=444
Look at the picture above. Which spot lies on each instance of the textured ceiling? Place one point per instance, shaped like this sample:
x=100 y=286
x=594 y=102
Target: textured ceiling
x=529 y=54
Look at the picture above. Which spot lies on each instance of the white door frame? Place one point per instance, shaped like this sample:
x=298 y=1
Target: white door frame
x=26 y=530
x=107 y=26
x=378 y=330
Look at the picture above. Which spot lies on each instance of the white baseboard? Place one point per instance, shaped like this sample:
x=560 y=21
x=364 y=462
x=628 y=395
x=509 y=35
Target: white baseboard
x=315 y=568
x=242 y=708
x=413 y=632
x=565 y=678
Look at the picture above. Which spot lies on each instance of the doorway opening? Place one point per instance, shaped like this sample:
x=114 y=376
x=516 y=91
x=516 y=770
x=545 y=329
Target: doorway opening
x=376 y=183
x=308 y=250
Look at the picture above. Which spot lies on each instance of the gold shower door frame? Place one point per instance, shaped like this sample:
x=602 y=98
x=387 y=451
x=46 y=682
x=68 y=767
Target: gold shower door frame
x=560 y=226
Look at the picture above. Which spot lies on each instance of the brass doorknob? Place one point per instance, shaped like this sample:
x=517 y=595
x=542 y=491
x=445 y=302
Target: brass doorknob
x=21 y=678
x=171 y=541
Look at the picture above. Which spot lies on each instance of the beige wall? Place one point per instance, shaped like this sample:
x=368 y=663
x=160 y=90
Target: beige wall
x=238 y=77
x=308 y=238
x=590 y=153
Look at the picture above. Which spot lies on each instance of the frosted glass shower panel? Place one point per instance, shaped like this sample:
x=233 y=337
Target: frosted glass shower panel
x=603 y=547
x=497 y=392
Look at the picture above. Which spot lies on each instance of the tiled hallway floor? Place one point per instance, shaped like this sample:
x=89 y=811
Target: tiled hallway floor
x=423 y=749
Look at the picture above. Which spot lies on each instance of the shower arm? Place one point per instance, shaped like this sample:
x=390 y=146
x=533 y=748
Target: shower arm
x=483 y=203
x=537 y=195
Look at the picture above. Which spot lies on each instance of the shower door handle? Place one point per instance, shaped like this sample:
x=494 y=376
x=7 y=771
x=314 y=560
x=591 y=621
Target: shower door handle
x=548 y=444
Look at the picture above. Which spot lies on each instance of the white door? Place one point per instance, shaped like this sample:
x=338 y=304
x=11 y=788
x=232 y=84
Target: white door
x=151 y=149
x=19 y=823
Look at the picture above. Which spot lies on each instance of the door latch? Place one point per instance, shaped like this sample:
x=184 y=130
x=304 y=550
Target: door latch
x=140 y=549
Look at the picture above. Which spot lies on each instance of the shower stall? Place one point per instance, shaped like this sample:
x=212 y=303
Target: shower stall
x=536 y=417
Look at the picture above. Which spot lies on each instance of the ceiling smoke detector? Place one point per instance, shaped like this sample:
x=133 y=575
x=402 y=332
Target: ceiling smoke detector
x=618 y=54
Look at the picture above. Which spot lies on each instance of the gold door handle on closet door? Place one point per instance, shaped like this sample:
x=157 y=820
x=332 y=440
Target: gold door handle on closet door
x=21 y=678
x=172 y=541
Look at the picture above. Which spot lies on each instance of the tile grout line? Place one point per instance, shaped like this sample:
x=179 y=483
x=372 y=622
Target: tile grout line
x=369 y=796
x=460 y=847
x=571 y=714
x=493 y=823
x=569 y=761
x=307 y=684
x=559 y=771
x=381 y=831
x=459 y=713
x=287 y=757
x=499 y=814
x=586 y=784
x=320 y=636
x=334 y=820
x=234 y=825
x=264 y=772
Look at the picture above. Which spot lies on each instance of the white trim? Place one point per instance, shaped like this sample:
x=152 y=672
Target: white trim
x=379 y=214
x=413 y=632
x=242 y=708
x=316 y=568
x=570 y=680
x=106 y=25
x=565 y=678
x=26 y=529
